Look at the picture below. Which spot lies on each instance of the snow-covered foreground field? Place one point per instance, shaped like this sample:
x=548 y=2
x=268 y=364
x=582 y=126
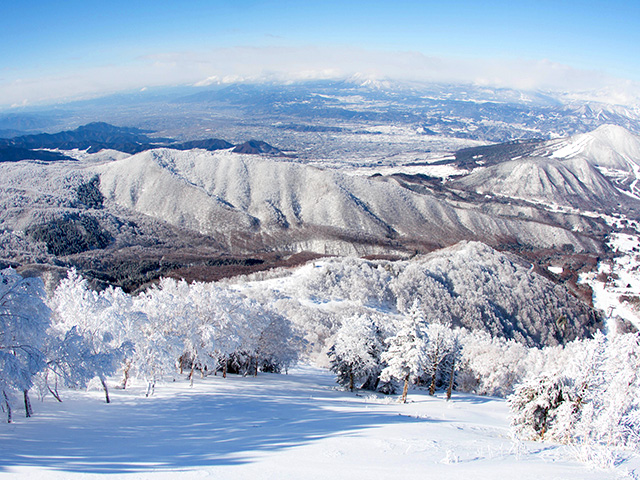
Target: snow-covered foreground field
x=277 y=426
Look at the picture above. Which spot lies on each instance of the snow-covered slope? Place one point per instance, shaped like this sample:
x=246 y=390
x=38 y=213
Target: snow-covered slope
x=608 y=146
x=616 y=283
x=469 y=285
x=222 y=193
x=595 y=171
x=574 y=182
x=278 y=427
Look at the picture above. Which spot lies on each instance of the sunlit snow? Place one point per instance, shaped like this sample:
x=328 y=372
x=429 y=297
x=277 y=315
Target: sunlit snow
x=277 y=426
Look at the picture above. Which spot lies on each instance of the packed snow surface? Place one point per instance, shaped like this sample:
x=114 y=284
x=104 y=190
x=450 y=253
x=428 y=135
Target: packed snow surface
x=278 y=427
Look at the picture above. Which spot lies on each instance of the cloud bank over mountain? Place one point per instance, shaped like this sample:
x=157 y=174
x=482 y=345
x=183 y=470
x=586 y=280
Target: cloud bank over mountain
x=289 y=64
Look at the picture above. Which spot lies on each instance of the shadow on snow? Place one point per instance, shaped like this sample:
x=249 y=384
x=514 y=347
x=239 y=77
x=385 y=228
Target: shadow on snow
x=189 y=430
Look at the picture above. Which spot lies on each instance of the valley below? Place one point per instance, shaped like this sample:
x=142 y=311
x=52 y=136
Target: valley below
x=211 y=211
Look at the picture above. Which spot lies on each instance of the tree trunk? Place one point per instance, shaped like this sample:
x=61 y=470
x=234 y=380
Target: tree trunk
x=434 y=374
x=6 y=402
x=190 y=377
x=432 y=387
x=125 y=374
x=452 y=376
x=405 y=389
x=544 y=424
x=54 y=390
x=151 y=387
x=224 y=369
x=55 y=393
x=28 y=411
x=255 y=372
x=106 y=390
x=351 y=380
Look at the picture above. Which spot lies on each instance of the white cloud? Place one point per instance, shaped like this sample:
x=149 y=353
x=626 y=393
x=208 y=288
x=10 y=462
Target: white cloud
x=226 y=65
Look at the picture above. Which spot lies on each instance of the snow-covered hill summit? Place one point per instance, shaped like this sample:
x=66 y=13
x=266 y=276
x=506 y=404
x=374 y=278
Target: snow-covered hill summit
x=596 y=171
x=466 y=285
x=608 y=146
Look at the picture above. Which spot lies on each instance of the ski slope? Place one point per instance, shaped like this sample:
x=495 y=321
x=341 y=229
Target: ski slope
x=278 y=427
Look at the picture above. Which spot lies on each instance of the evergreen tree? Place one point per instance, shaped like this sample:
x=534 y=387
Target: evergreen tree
x=534 y=405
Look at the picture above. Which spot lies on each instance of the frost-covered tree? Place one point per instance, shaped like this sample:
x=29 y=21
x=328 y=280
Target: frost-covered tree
x=160 y=343
x=405 y=355
x=452 y=360
x=438 y=348
x=493 y=365
x=536 y=403
x=94 y=352
x=355 y=355
x=594 y=399
x=126 y=324
x=278 y=345
x=610 y=394
x=24 y=319
x=209 y=328
x=72 y=361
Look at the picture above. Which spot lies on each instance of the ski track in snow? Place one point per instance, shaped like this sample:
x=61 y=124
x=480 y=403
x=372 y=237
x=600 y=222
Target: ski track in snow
x=636 y=173
x=276 y=427
x=623 y=281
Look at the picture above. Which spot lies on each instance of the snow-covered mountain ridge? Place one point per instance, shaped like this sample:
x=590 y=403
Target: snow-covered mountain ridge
x=221 y=193
x=609 y=146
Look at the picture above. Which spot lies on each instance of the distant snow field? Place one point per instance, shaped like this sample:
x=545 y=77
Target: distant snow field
x=278 y=427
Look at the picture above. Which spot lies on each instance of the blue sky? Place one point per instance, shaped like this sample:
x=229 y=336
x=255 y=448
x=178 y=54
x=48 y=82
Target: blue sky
x=46 y=42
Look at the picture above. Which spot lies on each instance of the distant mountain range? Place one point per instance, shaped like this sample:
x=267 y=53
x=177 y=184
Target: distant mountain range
x=370 y=170
x=557 y=178
x=457 y=111
x=98 y=136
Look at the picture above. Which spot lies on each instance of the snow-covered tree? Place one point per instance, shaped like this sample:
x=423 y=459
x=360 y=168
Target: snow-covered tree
x=209 y=328
x=493 y=365
x=278 y=346
x=536 y=403
x=405 y=355
x=452 y=360
x=160 y=342
x=438 y=348
x=610 y=394
x=84 y=319
x=24 y=319
x=125 y=325
x=593 y=399
x=355 y=355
